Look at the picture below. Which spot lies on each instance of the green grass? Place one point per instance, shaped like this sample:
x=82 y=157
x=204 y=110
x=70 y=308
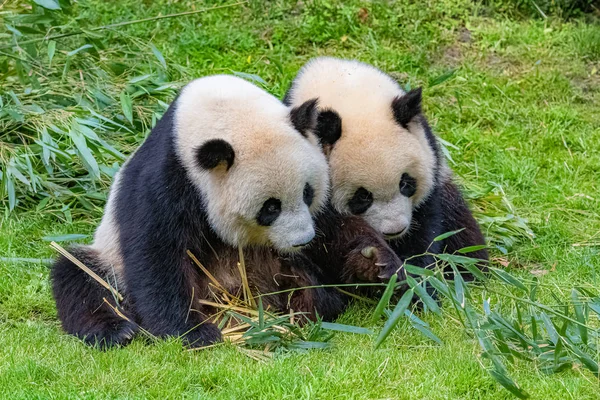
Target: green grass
x=521 y=108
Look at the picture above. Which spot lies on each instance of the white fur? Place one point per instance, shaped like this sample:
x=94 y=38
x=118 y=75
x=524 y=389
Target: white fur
x=374 y=150
x=272 y=159
x=106 y=238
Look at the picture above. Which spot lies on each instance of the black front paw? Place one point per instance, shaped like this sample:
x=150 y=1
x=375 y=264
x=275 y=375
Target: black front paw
x=203 y=335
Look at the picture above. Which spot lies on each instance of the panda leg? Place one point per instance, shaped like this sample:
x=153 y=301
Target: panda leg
x=81 y=306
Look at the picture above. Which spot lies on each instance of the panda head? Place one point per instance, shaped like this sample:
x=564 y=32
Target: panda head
x=256 y=162
x=382 y=164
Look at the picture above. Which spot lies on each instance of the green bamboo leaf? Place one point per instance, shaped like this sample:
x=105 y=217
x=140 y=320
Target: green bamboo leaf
x=423 y=295
x=413 y=269
x=508 y=278
x=447 y=235
x=49 y=4
x=86 y=155
x=51 y=50
x=261 y=314
x=71 y=237
x=346 y=328
x=395 y=317
x=10 y=189
x=579 y=315
x=127 y=106
x=438 y=80
x=509 y=384
x=471 y=249
x=440 y=287
x=425 y=331
x=158 y=56
x=549 y=327
x=460 y=260
x=250 y=77
x=77 y=50
x=385 y=298
x=585 y=359
x=594 y=305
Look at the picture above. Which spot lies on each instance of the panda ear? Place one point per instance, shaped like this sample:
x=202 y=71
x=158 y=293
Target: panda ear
x=329 y=127
x=214 y=152
x=407 y=106
x=304 y=117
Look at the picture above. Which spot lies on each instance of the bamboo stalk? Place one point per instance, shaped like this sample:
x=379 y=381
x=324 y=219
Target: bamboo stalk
x=88 y=271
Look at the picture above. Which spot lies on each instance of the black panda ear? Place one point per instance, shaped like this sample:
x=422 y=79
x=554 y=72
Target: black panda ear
x=214 y=152
x=304 y=117
x=407 y=106
x=329 y=127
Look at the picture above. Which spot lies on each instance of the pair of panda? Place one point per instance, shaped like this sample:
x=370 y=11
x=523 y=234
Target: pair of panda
x=230 y=166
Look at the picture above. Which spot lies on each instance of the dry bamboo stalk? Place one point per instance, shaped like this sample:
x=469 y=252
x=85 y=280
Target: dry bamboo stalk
x=88 y=271
x=228 y=307
x=245 y=285
x=208 y=274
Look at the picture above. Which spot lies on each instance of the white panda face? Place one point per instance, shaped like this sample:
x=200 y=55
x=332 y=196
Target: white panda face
x=269 y=197
x=381 y=163
x=382 y=181
x=256 y=163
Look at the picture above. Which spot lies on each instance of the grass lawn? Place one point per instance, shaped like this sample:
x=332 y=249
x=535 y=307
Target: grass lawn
x=522 y=109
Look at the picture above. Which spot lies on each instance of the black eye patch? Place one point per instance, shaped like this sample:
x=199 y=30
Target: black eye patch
x=408 y=185
x=361 y=201
x=309 y=194
x=269 y=212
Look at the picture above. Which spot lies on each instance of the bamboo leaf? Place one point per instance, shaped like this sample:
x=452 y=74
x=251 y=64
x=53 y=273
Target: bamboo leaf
x=508 y=278
x=71 y=237
x=471 y=249
x=127 y=106
x=424 y=296
x=51 y=50
x=447 y=235
x=509 y=384
x=395 y=317
x=579 y=315
x=10 y=189
x=425 y=331
x=158 y=55
x=49 y=4
x=79 y=49
x=549 y=327
x=385 y=298
x=346 y=328
x=413 y=269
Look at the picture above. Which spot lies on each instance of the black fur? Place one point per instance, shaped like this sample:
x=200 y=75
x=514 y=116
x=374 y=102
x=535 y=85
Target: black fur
x=81 y=305
x=213 y=152
x=304 y=117
x=407 y=106
x=160 y=215
x=329 y=127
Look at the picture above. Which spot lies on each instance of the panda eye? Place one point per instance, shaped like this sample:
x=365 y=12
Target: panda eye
x=309 y=194
x=361 y=201
x=269 y=212
x=408 y=185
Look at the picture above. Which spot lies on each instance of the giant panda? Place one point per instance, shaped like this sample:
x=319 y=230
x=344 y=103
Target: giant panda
x=385 y=163
x=227 y=166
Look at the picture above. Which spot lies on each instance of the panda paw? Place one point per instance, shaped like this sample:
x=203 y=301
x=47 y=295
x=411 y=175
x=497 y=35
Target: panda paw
x=373 y=261
x=119 y=334
x=202 y=336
